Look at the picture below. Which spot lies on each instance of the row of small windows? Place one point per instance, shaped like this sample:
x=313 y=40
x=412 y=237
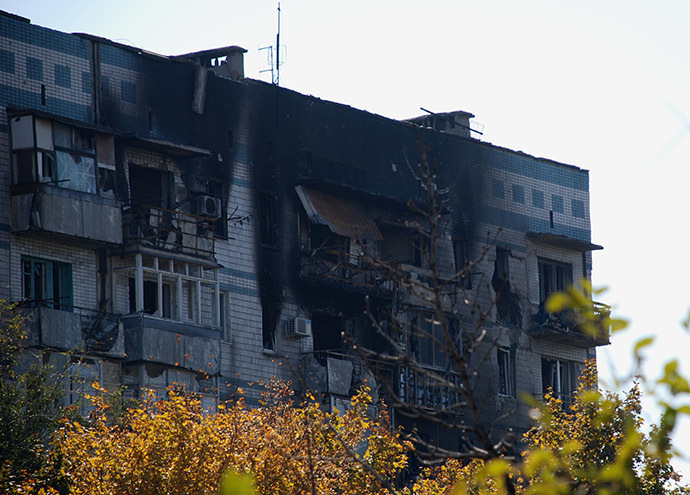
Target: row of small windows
x=577 y=207
x=63 y=76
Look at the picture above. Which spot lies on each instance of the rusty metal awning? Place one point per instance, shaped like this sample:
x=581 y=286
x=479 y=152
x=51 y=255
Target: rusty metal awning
x=563 y=241
x=342 y=216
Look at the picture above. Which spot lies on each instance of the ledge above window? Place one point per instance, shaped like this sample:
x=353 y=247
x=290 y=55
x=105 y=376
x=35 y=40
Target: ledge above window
x=563 y=241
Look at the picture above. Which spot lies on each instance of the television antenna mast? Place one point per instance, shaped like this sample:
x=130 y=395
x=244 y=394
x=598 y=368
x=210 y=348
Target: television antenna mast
x=274 y=59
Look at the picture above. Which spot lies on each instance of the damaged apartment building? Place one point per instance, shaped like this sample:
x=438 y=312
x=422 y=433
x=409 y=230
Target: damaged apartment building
x=165 y=221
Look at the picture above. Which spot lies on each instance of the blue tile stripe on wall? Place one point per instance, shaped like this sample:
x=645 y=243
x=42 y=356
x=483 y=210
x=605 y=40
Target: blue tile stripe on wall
x=45 y=38
x=525 y=223
x=29 y=99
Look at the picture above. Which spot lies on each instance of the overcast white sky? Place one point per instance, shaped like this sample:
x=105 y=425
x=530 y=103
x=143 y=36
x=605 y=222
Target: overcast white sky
x=604 y=85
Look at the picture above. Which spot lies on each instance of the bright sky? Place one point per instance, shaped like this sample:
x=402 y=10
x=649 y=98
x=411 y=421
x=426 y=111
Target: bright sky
x=601 y=85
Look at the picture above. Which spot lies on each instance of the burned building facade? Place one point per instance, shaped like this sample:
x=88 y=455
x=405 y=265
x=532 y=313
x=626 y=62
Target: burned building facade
x=165 y=220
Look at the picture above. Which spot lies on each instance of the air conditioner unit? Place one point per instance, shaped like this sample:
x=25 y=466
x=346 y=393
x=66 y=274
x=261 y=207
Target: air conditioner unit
x=298 y=327
x=208 y=206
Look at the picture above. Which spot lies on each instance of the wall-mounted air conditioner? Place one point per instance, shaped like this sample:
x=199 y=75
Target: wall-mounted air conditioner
x=208 y=206
x=298 y=327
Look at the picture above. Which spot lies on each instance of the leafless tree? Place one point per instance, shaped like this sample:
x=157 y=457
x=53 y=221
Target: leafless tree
x=450 y=322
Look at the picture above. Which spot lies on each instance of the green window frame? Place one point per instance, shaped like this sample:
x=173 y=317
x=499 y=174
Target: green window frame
x=47 y=283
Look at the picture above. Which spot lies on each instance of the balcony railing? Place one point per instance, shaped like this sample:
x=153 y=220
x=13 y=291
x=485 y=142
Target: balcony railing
x=169 y=230
x=574 y=326
x=344 y=270
x=70 y=327
x=427 y=388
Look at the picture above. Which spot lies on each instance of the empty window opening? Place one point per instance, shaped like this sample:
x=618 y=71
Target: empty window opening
x=506 y=373
x=462 y=262
x=148 y=187
x=507 y=302
x=327 y=331
x=269 y=320
x=268 y=219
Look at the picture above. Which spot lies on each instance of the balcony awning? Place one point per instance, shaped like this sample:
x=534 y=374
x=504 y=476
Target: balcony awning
x=563 y=241
x=163 y=146
x=342 y=216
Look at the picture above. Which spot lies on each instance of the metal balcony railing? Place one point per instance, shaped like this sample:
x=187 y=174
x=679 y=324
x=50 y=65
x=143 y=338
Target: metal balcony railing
x=426 y=388
x=345 y=270
x=169 y=230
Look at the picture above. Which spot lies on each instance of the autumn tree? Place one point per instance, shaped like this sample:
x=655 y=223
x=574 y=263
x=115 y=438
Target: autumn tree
x=173 y=446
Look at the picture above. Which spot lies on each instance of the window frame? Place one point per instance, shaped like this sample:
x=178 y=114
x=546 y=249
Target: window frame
x=506 y=372
x=51 y=269
x=556 y=282
x=559 y=366
x=43 y=156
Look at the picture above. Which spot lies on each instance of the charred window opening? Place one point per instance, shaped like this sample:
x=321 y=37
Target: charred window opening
x=428 y=342
x=554 y=276
x=270 y=291
x=507 y=302
x=327 y=331
x=462 y=262
x=406 y=247
x=561 y=378
x=268 y=219
x=506 y=372
x=270 y=310
x=148 y=187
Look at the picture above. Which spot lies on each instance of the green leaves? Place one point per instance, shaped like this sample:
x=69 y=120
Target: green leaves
x=237 y=484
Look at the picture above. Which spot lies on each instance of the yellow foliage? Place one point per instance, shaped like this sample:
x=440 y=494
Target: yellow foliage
x=173 y=446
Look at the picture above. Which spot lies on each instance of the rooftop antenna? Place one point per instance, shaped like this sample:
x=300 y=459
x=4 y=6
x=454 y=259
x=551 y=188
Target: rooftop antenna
x=275 y=62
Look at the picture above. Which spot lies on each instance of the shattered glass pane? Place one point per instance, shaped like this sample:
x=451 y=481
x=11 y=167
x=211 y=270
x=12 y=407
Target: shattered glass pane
x=76 y=172
x=106 y=182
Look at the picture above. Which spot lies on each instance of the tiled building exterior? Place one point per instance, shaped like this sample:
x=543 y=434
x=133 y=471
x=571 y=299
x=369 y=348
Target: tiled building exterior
x=165 y=220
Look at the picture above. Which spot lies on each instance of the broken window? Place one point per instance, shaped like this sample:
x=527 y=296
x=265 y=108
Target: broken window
x=428 y=341
x=506 y=372
x=62 y=155
x=554 y=276
x=150 y=290
x=561 y=377
x=172 y=290
x=47 y=283
x=76 y=158
x=269 y=320
x=268 y=219
x=462 y=262
x=405 y=246
x=148 y=187
x=327 y=331
x=507 y=303
x=501 y=277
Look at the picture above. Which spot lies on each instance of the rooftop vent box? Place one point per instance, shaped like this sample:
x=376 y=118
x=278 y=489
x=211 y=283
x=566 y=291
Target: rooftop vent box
x=208 y=206
x=298 y=327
